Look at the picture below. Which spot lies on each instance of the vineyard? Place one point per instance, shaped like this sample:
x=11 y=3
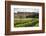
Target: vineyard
x=26 y=22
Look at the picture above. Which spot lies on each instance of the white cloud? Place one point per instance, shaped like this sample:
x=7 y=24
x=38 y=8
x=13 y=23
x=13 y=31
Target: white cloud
x=26 y=10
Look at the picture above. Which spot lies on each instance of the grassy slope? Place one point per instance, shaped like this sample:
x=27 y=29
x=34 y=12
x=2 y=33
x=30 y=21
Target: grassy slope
x=26 y=22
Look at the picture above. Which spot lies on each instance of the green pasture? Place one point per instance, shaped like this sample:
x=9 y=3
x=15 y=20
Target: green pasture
x=26 y=22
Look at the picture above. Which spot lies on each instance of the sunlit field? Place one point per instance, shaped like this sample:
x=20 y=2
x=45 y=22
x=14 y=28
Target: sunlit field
x=26 y=22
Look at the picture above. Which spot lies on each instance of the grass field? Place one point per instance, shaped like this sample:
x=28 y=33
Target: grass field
x=26 y=22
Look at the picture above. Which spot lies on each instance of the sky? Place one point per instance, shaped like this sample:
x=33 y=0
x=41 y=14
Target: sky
x=26 y=10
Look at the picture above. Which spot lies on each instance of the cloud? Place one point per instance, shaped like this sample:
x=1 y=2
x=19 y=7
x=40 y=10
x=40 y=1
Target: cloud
x=26 y=10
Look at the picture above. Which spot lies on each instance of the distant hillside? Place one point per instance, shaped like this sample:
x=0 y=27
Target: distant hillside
x=27 y=14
